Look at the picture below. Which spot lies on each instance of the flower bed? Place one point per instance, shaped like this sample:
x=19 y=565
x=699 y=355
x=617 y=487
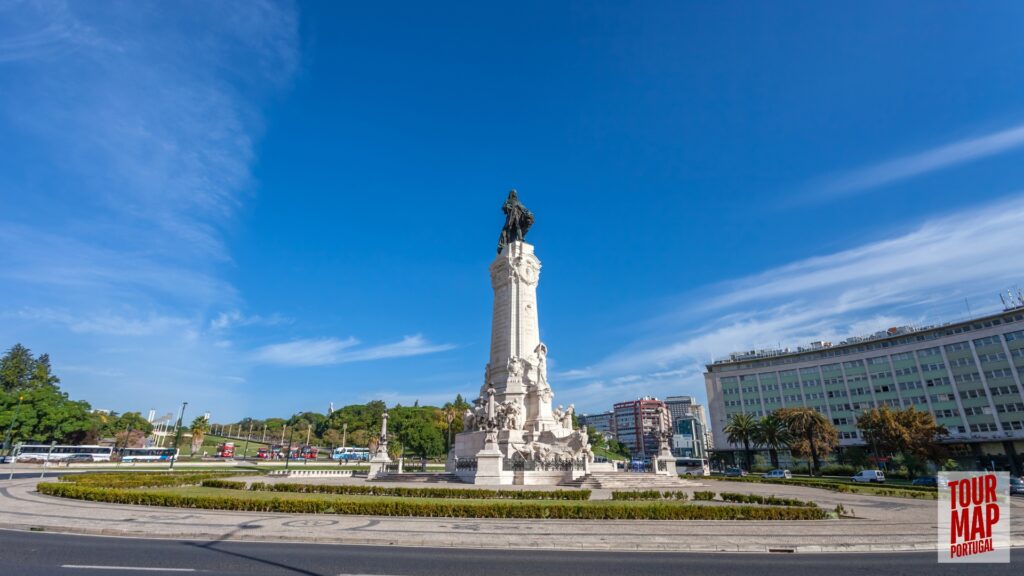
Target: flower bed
x=447 y=508
x=919 y=492
x=461 y=493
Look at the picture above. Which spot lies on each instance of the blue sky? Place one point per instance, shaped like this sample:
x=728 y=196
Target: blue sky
x=261 y=208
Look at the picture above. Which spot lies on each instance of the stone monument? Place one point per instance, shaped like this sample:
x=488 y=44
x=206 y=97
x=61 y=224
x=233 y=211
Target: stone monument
x=511 y=434
x=380 y=460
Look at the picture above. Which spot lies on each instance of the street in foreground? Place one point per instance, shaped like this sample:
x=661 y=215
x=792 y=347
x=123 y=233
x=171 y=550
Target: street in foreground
x=32 y=554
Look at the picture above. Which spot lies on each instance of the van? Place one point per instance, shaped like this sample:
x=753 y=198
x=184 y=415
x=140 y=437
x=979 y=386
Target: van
x=869 y=476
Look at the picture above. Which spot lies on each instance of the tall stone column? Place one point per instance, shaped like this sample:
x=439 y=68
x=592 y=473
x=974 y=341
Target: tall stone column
x=517 y=369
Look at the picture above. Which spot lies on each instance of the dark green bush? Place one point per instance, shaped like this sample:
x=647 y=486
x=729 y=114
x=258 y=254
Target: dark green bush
x=703 y=495
x=142 y=479
x=228 y=484
x=768 y=500
x=445 y=509
x=650 y=495
x=839 y=470
x=463 y=493
x=921 y=492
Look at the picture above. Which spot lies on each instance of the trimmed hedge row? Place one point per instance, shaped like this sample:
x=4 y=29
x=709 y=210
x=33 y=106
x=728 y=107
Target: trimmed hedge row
x=228 y=484
x=703 y=495
x=768 y=500
x=920 y=492
x=445 y=509
x=651 y=495
x=142 y=480
x=467 y=493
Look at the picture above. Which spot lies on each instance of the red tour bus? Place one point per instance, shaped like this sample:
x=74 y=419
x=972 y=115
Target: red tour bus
x=226 y=450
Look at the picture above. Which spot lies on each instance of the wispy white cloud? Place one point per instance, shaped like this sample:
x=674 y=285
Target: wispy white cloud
x=326 y=351
x=918 y=277
x=147 y=117
x=225 y=320
x=939 y=158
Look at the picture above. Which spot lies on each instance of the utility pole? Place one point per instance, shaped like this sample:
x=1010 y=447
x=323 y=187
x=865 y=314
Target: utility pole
x=308 y=429
x=283 y=430
x=177 y=434
x=263 y=440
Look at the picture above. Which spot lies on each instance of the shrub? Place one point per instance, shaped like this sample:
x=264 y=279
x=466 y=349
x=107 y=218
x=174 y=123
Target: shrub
x=650 y=495
x=839 y=470
x=142 y=480
x=229 y=484
x=768 y=500
x=459 y=493
x=445 y=509
x=920 y=492
x=703 y=495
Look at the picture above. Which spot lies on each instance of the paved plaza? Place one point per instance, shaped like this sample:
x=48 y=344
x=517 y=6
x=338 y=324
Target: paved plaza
x=882 y=524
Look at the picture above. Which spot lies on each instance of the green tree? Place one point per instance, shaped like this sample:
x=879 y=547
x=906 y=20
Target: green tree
x=199 y=427
x=772 y=433
x=130 y=421
x=21 y=371
x=909 y=432
x=812 y=434
x=422 y=439
x=742 y=430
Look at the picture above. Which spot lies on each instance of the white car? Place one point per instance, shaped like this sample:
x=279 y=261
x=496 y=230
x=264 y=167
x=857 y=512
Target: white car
x=777 y=474
x=869 y=476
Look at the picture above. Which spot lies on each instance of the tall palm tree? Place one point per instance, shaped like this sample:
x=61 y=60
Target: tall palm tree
x=773 y=433
x=742 y=429
x=200 y=426
x=809 y=426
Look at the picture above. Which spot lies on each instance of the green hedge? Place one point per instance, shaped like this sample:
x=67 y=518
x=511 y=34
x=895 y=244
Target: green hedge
x=142 y=479
x=703 y=495
x=445 y=509
x=228 y=484
x=768 y=500
x=651 y=495
x=920 y=492
x=463 y=493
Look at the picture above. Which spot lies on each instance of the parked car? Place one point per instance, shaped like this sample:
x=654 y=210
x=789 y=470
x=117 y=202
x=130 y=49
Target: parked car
x=734 y=472
x=78 y=458
x=1016 y=486
x=869 y=476
x=926 y=481
x=777 y=474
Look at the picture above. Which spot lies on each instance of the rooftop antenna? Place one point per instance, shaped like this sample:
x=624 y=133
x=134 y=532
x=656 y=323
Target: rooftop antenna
x=968 y=308
x=1003 y=300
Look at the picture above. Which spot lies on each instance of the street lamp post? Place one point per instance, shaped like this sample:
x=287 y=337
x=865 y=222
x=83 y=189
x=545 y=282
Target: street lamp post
x=177 y=434
x=449 y=416
x=245 y=450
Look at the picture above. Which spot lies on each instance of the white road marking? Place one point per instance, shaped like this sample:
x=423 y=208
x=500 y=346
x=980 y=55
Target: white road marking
x=136 y=568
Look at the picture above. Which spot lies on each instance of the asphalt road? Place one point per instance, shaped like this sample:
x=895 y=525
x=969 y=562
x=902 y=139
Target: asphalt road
x=36 y=554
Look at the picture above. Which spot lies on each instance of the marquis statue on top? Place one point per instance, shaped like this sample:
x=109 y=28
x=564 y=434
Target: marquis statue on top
x=517 y=221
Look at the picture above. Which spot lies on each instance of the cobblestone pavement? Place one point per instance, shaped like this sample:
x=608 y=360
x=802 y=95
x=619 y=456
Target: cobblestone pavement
x=883 y=524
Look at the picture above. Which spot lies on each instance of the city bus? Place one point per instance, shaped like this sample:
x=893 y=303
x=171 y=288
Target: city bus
x=692 y=467
x=44 y=452
x=148 y=454
x=348 y=453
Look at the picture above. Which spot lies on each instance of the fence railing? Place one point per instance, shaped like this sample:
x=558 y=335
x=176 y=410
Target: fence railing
x=563 y=465
x=465 y=464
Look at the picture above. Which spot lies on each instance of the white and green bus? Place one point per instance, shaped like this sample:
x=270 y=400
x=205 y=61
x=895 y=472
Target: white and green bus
x=47 y=453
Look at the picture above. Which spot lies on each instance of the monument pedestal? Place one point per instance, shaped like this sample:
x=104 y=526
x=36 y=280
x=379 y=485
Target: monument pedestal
x=379 y=463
